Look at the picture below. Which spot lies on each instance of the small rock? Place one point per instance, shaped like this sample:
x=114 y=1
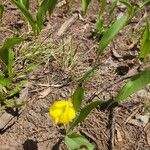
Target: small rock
x=144 y=119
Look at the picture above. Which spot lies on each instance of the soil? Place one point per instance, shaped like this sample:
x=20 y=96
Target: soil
x=57 y=78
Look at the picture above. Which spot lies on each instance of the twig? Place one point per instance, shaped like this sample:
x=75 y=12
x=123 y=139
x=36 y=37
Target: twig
x=111 y=142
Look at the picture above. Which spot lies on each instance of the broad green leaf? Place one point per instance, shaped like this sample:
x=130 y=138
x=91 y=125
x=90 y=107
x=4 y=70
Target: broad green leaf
x=145 y=44
x=4 y=50
x=42 y=13
x=111 y=33
x=1 y=11
x=84 y=113
x=135 y=84
x=17 y=88
x=26 y=14
x=26 y=3
x=85 y=4
x=10 y=63
x=46 y=5
x=51 y=6
x=77 y=98
x=76 y=141
x=102 y=7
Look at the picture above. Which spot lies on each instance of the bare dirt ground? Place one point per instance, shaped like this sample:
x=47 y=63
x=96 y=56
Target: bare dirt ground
x=120 y=128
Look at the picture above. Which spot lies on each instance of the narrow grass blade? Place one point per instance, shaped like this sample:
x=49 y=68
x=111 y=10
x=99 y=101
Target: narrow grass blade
x=111 y=33
x=146 y=2
x=113 y=6
x=77 y=98
x=145 y=44
x=128 y=5
x=131 y=8
x=85 y=4
x=76 y=141
x=84 y=113
x=1 y=11
x=135 y=84
x=88 y=74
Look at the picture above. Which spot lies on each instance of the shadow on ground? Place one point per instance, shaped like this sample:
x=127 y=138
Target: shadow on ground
x=30 y=145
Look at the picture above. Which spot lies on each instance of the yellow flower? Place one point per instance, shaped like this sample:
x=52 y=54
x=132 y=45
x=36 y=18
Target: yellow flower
x=62 y=112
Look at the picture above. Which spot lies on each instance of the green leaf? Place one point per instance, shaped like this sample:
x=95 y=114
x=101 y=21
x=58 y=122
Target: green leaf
x=51 y=6
x=102 y=7
x=46 y=5
x=145 y=44
x=85 y=4
x=26 y=3
x=1 y=11
x=111 y=33
x=26 y=14
x=113 y=6
x=99 y=30
x=77 y=98
x=76 y=141
x=131 y=8
x=41 y=13
x=4 y=82
x=135 y=84
x=10 y=64
x=128 y=5
x=4 y=50
x=84 y=113
x=88 y=74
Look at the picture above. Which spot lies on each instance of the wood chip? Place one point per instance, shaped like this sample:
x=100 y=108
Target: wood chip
x=44 y=93
x=7 y=119
x=147 y=133
x=67 y=24
x=148 y=138
x=116 y=54
x=135 y=122
x=118 y=135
